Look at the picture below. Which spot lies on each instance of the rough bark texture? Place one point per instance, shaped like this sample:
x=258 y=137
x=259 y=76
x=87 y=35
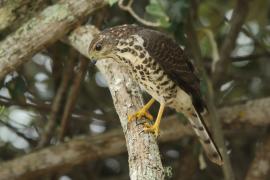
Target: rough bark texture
x=14 y=13
x=61 y=157
x=254 y=112
x=80 y=150
x=50 y=25
x=144 y=158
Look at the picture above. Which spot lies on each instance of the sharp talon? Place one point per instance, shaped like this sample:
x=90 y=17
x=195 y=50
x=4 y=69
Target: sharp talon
x=141 y=113
x=146 y=125
x=148 y=116
x=131 y=117
x=152 y=129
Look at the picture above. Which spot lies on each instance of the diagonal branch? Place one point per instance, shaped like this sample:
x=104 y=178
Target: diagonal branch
x=238 y=17
x=57 y=104
x=144 y=158
x=50 y=25
x=72 y=97
x=14 y=13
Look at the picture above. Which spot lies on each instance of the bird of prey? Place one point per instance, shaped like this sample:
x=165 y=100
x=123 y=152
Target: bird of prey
x=161 y=68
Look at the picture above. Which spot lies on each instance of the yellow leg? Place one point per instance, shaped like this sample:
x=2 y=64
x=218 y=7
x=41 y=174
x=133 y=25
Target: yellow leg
x=155 y=128
x=143 y=112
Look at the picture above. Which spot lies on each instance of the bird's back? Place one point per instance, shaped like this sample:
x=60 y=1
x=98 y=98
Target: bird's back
x=174 y=62
x=168 y=54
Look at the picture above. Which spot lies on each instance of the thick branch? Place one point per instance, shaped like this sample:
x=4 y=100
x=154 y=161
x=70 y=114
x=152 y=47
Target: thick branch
x=254 y=112
x=14 y=13
x=50 y=25
x=144 y=158
x=78 y=151
x=90 y=148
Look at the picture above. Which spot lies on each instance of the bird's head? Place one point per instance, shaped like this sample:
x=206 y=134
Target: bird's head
x=101 y=47
x=106 y=43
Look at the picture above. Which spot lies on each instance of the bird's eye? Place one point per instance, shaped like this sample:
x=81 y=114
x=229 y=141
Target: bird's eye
x=98 y=47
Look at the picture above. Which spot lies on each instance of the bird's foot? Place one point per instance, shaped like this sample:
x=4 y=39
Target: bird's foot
x=139 y=114
x=152 y=129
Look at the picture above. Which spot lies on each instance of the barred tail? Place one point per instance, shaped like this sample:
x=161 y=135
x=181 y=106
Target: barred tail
x=204 y=136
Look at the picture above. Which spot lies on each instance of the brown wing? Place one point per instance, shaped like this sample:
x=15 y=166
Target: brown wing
x=174 y=62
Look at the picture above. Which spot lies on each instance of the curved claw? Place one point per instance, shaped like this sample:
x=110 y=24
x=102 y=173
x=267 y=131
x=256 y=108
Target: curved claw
x=152 y=129
x=141 y=113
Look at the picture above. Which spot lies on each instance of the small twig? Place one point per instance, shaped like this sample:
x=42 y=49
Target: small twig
x=9 y=102
x=239 y=14
x=57 y=102
x=72 y=97
x=250 y=57
x=215 y=54
x=15 y=130
x=129 y=9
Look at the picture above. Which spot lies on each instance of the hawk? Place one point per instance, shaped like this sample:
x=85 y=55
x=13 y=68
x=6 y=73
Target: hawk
x=161 y=68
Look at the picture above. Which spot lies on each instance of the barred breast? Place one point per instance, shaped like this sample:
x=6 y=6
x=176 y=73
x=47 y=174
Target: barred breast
x=146 y=71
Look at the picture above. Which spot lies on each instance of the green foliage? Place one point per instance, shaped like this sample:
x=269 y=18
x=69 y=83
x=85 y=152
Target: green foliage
x=2 y=110
x=157 y=11
x=112 y=2
x=177 y=10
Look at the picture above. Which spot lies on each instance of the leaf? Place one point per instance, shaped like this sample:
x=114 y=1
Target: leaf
x=112 y=2
x=155 y=10
x=158 y=13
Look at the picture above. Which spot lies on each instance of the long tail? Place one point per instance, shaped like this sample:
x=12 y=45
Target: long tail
x=205 y=138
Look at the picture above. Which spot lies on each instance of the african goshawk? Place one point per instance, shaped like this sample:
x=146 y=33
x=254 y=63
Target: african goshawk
x=160 y=67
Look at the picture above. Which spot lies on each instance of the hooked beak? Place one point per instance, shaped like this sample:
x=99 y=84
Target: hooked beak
x=93 y=61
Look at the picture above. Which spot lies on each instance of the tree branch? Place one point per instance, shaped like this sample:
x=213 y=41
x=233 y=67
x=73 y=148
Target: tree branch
x=238 y=17
x=89 y=148
x=50 y=25
x=72 y=96
x=144 y=158
x=14 y=13
x=52 y=159
x=57 y=104
x=129 y=9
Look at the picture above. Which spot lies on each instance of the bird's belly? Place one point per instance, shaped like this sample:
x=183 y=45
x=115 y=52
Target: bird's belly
x=161 y=89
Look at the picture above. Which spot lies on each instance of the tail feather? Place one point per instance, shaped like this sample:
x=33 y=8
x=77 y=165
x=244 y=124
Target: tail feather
x=205 y=138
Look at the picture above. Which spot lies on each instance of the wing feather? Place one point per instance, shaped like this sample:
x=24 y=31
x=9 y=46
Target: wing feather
x=174 y=62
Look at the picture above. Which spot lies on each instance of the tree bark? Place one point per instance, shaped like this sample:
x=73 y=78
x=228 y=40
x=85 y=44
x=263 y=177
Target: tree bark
x=144 y=158
x=239 y=15
x=14 y=13
x=50 y=25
